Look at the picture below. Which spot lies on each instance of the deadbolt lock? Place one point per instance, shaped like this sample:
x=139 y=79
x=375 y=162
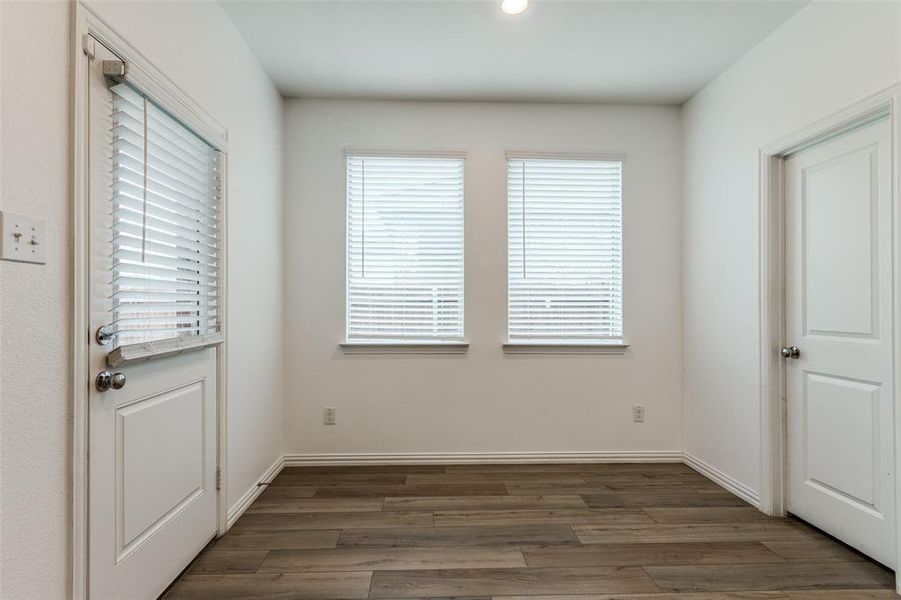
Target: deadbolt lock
x=104 y=335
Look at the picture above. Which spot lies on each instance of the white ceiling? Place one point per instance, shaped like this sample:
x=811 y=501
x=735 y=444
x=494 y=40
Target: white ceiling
x=558 y=50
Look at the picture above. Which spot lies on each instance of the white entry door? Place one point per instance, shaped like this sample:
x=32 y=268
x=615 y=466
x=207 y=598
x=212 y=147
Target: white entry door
x=152 y=441
x=839 y=317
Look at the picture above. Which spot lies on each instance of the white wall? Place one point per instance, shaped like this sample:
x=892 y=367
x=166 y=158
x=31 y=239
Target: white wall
x=197 y=46
x=827 y=57
x=483 y=401
x=34 y=304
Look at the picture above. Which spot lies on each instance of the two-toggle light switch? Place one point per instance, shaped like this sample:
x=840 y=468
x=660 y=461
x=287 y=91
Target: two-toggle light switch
x=22 y=238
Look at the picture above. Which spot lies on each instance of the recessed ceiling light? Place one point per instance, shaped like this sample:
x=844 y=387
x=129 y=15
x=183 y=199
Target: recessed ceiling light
x=514 y=7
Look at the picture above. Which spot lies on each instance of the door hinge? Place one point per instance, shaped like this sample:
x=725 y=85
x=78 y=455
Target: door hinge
x=218 y=478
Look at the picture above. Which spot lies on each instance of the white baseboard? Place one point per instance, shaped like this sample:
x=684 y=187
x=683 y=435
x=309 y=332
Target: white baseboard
x=733 y=485
x=295 y=460
x=247 y=498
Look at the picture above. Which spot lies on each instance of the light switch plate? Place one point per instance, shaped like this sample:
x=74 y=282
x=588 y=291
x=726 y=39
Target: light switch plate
x=24 y=238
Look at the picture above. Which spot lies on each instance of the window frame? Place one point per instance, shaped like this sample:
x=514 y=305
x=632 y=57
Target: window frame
x=349 y=346
x=511 y=346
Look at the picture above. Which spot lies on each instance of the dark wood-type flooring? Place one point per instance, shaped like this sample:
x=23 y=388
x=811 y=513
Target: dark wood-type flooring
x=545 y=532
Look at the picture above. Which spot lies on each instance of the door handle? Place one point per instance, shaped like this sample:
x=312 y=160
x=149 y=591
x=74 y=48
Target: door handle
x=104 y=335
x=790 y=352
x=106 y=380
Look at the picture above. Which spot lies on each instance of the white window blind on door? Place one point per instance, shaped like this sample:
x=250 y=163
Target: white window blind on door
x=564 y=242
x=166 y=225
x=404 y=249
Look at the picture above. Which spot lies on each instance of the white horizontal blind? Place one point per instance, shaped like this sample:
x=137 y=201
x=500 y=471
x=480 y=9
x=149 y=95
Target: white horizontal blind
x=166 y=225
x=564 y=241
x=404 y=249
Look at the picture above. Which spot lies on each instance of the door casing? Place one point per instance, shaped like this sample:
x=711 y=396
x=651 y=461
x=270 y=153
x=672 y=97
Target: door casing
x=86 y=25
x=773 y=430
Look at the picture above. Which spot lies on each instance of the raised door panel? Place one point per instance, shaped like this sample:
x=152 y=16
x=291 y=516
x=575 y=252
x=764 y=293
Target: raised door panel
x=842 y=438
x=160 y=462
x=839 y=250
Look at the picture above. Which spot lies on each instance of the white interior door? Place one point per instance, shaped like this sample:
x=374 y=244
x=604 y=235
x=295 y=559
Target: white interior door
x=839 y=315
x=152 y=443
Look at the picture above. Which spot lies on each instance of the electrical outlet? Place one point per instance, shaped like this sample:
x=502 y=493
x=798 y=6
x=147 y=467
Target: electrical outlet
x=23 y=238
x=328 y=415
x=638 y=413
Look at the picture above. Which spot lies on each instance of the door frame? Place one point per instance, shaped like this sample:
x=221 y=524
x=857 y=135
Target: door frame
x=86 y=23
x=773 y=427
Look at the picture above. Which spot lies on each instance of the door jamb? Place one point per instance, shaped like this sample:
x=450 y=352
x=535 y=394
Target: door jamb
x=84 y=23
x=773 y=431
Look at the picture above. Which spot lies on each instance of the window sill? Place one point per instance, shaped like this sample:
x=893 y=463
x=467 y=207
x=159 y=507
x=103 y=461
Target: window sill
x=564 y=348
x=402 y=348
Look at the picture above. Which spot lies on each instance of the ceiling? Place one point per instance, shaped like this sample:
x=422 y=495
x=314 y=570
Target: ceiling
x=654 y=52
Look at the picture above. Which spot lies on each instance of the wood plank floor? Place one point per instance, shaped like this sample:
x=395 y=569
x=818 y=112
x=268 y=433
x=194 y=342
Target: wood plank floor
x=520 y=532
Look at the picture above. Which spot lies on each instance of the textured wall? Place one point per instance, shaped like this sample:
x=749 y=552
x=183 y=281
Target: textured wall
x=484 y=401
x=34 y=303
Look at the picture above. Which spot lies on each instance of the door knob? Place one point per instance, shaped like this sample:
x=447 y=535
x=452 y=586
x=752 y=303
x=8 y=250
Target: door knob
x=118 y=381
x=790 y=352
x=106 y=380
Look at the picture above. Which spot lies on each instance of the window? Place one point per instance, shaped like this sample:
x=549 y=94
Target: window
x=404 y=250
x=165 y=235
x=564 y=251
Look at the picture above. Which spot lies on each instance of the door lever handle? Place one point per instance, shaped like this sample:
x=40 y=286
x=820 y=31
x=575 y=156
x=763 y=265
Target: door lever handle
x=790 y=352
